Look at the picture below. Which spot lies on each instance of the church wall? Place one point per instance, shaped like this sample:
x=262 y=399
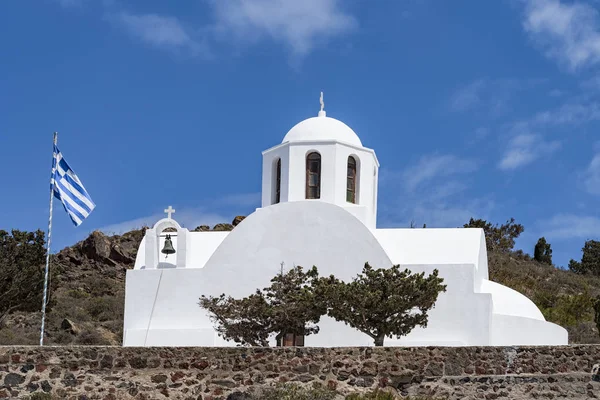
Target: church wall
x=452 y=246
x=516 y=372
x=460 y=317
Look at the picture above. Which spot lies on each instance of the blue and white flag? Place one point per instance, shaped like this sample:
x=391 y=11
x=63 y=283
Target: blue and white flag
x=69 y=190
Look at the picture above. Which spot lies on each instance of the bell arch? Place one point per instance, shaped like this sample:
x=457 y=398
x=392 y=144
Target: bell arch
x=153 y=245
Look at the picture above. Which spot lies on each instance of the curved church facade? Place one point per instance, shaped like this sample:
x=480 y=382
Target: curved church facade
x=319 y=207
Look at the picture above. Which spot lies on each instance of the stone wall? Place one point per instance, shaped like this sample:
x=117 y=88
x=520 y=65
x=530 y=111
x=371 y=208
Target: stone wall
x=214 y=373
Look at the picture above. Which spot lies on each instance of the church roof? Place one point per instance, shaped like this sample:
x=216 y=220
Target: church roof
x=322 y=128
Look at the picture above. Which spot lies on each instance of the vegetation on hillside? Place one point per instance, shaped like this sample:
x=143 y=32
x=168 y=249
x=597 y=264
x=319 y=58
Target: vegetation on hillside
x=87 y=284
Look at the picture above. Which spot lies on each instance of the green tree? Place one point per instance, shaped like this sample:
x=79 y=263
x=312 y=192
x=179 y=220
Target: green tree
x=382 y=302
x=543 y=251
x=289 y=305
x=498 y=238
x=21 y=271
x=590 y=261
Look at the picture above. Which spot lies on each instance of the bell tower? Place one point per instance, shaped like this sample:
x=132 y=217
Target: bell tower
x=164 y=248
x=322 y=159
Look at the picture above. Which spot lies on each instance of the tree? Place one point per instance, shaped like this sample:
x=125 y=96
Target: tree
x=382 y=302
x=288 y=306
x=590 y=261
x=498 y=238
x=21 y=275
x=543 y=252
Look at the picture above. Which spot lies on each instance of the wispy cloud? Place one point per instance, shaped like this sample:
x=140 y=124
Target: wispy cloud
x=526 y=148
x=70 y=3
x=492 y=95
x=187 y=217
x=160 y=31
x=299 y=25
x=433 y=166
x=592 y=175
x=467 y=96
x=432 y=192
x=217 y=210
x=568 y=226
x=242 y=199
x=566 y=32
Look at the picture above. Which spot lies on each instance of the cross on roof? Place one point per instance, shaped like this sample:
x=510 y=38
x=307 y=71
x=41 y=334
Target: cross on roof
x=169 y=211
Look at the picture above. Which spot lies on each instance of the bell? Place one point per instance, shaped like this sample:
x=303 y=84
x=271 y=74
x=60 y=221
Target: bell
x=168 y=248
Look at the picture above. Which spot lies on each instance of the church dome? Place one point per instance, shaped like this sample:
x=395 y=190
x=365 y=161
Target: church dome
x=322 y=128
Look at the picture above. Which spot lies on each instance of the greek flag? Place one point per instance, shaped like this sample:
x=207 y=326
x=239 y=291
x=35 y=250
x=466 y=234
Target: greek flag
x=68 y=189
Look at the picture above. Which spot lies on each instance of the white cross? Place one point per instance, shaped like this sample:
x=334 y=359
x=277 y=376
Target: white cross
x=322 y=102
x=169 y=211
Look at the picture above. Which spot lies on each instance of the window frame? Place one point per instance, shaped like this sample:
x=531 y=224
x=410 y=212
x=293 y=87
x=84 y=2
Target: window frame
x=312 y=157
x=351 y=187
x=277 y=181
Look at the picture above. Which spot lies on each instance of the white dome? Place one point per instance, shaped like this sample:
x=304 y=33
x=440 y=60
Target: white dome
x=322 y=128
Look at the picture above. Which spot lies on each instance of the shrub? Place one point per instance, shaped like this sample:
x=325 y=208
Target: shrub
x=374 y=395
x=295 y=392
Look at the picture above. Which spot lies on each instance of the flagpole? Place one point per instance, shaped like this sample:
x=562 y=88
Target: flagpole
x=44 y=301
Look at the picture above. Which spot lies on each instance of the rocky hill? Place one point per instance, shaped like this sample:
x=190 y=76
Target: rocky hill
x=88 y=282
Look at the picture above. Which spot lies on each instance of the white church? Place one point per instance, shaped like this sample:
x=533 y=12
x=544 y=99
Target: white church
x=319 y=207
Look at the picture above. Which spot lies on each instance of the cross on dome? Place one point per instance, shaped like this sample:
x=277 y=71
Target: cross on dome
x=169 y=211
x=322 y=111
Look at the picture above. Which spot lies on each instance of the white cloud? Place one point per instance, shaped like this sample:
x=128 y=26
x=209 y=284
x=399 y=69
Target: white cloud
x=468 y=96
x=189 y=218
x=160 y=31
x=592 y=176
x=70 y=3
x=567 y=226
x=566 y=32
x=491 y=95
x=300 y=25
x=242 y=199
x=526 y=148
x=430 y=192
x=435 y=165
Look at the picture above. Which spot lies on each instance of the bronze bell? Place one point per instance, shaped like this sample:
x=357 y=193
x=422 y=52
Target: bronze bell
x=168 y=248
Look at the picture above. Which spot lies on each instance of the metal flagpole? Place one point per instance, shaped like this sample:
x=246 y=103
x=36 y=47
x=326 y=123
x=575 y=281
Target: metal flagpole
x=48 y=244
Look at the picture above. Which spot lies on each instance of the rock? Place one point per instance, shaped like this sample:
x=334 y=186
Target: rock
x=160 y=378
x=202 y=228
x=69 y=326
x=69 y=380
x=27 y=367
x=46 y=387
x=13 y=379
x=223 y=227
x=236 y=221
x=138 y=362
x=96 y=246
x=239 y=396
x=106 y=362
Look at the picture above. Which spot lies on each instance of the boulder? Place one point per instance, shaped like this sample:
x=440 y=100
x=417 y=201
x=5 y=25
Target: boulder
x=237 y=220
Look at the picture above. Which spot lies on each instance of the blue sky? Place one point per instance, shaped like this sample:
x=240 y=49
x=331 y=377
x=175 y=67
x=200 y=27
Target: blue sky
x=475 y=108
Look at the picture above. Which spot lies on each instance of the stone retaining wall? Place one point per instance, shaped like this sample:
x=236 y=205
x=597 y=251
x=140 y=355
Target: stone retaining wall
x=214 y=373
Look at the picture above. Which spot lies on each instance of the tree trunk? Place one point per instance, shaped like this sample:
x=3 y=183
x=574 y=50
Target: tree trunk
x=379 y=340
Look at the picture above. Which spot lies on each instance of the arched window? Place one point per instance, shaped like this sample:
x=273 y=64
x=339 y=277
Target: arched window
x=313 y=176
x=278 y=181
x=351 y=181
